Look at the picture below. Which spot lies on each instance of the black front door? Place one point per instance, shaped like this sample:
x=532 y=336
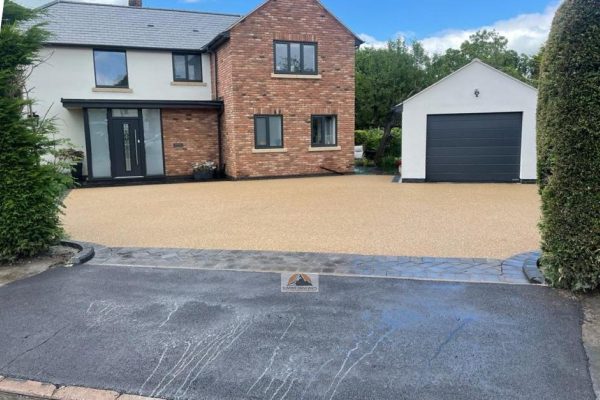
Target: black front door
x=127 y=143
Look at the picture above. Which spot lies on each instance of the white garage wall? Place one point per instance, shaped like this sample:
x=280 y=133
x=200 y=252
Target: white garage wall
x=68 y=72
x=455 y=95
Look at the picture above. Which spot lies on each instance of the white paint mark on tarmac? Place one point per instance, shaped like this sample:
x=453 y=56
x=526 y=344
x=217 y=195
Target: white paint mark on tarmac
x=155 y=369
x=365 y=355
x=281 y=386
x=170 y=315
x=273 y=355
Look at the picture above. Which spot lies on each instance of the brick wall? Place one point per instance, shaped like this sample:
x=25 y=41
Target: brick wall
x=226 y=92
x=189 y=136
x=246 y=86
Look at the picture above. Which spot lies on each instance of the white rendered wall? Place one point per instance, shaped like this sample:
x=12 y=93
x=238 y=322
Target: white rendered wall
x=455 y=95
x=68 y=72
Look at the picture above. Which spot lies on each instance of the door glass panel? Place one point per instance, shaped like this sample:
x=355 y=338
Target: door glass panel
x=295 y=57
x=153 y=142
x=100 y=150
x=127 y=147
x=124 y=112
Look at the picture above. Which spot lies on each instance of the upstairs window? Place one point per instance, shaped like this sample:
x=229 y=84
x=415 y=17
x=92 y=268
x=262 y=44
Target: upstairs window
x=187 y=67
x=324 y=131
x=295 y=58
x=111 y=69
x=268 y=131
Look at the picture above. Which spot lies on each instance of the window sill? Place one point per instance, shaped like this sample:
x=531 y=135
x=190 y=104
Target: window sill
x=266 y=151
x=290 y=76
x=112 y=90
x=316 y=149
x=190 y=83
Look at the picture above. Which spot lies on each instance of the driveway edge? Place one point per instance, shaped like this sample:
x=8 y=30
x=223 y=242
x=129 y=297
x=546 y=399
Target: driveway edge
x=18 y=389
x=85 y=254
x=591 y=338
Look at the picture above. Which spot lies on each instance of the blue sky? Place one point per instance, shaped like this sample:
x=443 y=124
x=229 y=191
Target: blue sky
x=438 y=23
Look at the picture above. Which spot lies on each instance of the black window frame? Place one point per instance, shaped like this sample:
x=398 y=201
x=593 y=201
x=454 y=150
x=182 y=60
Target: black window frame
x=96 y=72
x=302 y=44
x=268 y=125
x=323 y=116
x=187 y=71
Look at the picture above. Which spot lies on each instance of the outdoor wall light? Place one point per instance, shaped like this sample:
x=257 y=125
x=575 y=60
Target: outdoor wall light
x=477 y=93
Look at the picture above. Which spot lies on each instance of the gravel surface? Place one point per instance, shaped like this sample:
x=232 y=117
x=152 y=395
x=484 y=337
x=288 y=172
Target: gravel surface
x=350 y=214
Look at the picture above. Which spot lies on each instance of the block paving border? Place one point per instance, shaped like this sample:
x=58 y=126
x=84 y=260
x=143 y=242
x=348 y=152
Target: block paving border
x=475 y=270
x=33 y=390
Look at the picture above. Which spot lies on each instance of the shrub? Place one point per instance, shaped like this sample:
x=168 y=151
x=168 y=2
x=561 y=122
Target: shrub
x=569 y=147
x=30 y=187
x=371 y=139
x=389 y=164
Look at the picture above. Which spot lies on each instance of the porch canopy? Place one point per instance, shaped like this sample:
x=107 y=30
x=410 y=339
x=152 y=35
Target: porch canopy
x=102 y=103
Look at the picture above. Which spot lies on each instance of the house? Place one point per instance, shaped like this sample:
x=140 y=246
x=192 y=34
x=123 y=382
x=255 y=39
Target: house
x=476 y=125
x=149 y=92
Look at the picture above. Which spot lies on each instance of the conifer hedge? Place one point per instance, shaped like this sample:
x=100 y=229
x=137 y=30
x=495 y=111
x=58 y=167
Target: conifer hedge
x=569 y=147
x=31 y=186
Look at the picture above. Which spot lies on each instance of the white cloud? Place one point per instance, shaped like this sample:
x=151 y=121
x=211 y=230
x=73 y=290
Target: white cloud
x=525 y=33
x=371 y=41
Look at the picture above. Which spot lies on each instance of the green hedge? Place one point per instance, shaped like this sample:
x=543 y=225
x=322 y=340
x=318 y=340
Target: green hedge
x=371 y=139
x=31 y=188
x=569 y=147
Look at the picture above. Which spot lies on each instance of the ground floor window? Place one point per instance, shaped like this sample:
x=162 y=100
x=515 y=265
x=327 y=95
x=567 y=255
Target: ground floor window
x=324 y=130
x=124 y=143
x=268 y=131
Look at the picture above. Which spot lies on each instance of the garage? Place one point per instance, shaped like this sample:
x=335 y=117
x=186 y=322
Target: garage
x=475 y=125
x=474 y=147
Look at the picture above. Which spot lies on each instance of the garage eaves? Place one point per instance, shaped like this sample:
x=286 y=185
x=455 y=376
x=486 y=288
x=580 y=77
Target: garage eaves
x=475 y=61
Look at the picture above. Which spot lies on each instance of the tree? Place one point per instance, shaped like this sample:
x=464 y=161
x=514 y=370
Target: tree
x=488 y=46
x=30 y=186
x=384 y=77
x=569 y=147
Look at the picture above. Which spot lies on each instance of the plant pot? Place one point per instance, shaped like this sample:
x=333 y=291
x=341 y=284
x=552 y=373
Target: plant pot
x=203 y=175
x=77 y=172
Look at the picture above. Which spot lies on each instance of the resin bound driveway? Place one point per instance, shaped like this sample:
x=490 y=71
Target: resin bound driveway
x=350 y=214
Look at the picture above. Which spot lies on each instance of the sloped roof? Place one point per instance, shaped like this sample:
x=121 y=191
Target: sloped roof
x=475 y=61
x=92 y=24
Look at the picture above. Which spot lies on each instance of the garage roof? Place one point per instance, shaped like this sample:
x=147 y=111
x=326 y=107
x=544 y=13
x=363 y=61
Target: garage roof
x=475 y=61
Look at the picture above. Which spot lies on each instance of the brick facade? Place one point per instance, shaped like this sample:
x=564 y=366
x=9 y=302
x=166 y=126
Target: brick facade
x=189 y=136
x=245 y=83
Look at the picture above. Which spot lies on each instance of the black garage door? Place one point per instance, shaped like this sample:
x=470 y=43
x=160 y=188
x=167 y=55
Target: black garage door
x=474 y=147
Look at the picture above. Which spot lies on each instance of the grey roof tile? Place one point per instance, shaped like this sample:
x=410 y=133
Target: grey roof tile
x=73 y=23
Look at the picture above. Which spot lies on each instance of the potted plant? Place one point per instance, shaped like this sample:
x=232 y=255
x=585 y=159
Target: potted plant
x=74 y=158
x=204 y=171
